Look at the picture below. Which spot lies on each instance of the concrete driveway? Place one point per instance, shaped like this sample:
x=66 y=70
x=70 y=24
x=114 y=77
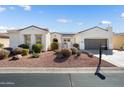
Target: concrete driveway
x=117 y=58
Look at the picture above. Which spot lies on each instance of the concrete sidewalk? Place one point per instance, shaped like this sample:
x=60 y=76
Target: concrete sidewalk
x=117 y=58
x=59 y=70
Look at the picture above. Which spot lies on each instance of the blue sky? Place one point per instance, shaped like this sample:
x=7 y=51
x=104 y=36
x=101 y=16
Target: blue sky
x=62 y=18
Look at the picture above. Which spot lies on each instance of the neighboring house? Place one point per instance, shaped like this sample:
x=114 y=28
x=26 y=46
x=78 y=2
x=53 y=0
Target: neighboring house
x=87 y=39
x=118 y=41
x=4 y=39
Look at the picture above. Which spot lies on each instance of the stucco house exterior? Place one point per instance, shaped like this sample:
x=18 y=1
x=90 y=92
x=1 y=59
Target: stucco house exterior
x=118 y=41
x=87 y=39
x=4 y=39
x=30 y=35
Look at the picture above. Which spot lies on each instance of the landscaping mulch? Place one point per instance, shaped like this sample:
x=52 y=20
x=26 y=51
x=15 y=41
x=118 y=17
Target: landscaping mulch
x=48 y=59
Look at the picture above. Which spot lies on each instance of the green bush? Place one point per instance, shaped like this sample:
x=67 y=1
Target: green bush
x=1 y=45
x=66 y=52
x=35 y=55
x=37 y=48
x=76 y=45
x=24 y=46
x=4 y=53
x=74 y=50
x=54 y=45
x=25 y=52
x=17 y=51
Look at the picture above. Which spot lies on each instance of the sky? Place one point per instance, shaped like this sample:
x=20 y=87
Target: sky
x=62 y=18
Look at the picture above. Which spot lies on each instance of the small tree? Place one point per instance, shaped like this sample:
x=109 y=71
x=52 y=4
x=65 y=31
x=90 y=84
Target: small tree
x=54 y=45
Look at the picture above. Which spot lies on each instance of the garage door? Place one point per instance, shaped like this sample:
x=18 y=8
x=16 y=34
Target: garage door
x=95 y=43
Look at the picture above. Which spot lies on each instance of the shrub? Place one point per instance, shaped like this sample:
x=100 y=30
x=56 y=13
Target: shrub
x=4 y=53
x=24 y=46
x=74 y=50
x=88 y=54
x=37 y=48
x=54 y=45
x=35 y=55
x=25 y=52
x=78 y=53
x=9 y=49
x=66 y=52
x=17 y=51
x=76 y=45
x=1 y=45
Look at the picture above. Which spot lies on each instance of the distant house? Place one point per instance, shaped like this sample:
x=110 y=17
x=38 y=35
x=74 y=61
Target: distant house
x=4 y=39
x=87 y=39
x=118 y=41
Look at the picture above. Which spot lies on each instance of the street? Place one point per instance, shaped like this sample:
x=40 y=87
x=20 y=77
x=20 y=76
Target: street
x=61 y=80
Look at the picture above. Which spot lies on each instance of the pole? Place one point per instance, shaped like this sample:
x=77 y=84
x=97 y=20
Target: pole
x=100 y=57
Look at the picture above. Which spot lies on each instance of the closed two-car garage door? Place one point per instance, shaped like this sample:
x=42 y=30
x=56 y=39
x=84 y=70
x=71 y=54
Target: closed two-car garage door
x=95 y=43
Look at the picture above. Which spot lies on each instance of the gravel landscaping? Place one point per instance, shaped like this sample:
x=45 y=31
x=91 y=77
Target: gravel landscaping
x=47 y=59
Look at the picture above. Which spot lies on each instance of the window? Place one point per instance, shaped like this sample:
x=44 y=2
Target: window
x=68 y=40
x=38 y=39
x=27 y=39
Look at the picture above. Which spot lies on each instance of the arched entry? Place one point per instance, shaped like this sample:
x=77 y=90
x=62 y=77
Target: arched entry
x=55 y=40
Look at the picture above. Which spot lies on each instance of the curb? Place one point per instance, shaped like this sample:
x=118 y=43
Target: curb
x=59 y=70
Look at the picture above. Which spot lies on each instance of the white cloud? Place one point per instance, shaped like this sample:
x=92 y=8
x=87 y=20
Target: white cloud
x=4 y=29
x=63 y=21
x=105 y=22
x=2 y=9
x=79 y=23
x=26 y=7
x=122 y=15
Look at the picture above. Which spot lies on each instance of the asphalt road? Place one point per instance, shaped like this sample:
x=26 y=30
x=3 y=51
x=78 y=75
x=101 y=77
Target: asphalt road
x=61 y=80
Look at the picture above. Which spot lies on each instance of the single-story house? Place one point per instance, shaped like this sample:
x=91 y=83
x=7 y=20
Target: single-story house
x=30 y=35
x=4 y=39
x=118 y=41
x=87 y=39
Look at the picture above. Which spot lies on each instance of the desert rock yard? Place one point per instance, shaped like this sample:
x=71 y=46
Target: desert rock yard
x=48 y=59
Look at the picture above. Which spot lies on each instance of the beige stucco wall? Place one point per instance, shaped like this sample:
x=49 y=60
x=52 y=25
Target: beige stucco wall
x=118 y=41
x=14 y=39
x=58 y=37
x=4 y=41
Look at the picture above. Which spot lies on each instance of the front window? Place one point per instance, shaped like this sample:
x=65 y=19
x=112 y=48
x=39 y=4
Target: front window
x=68 y=40
x=38 y=39
x=27 y=39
